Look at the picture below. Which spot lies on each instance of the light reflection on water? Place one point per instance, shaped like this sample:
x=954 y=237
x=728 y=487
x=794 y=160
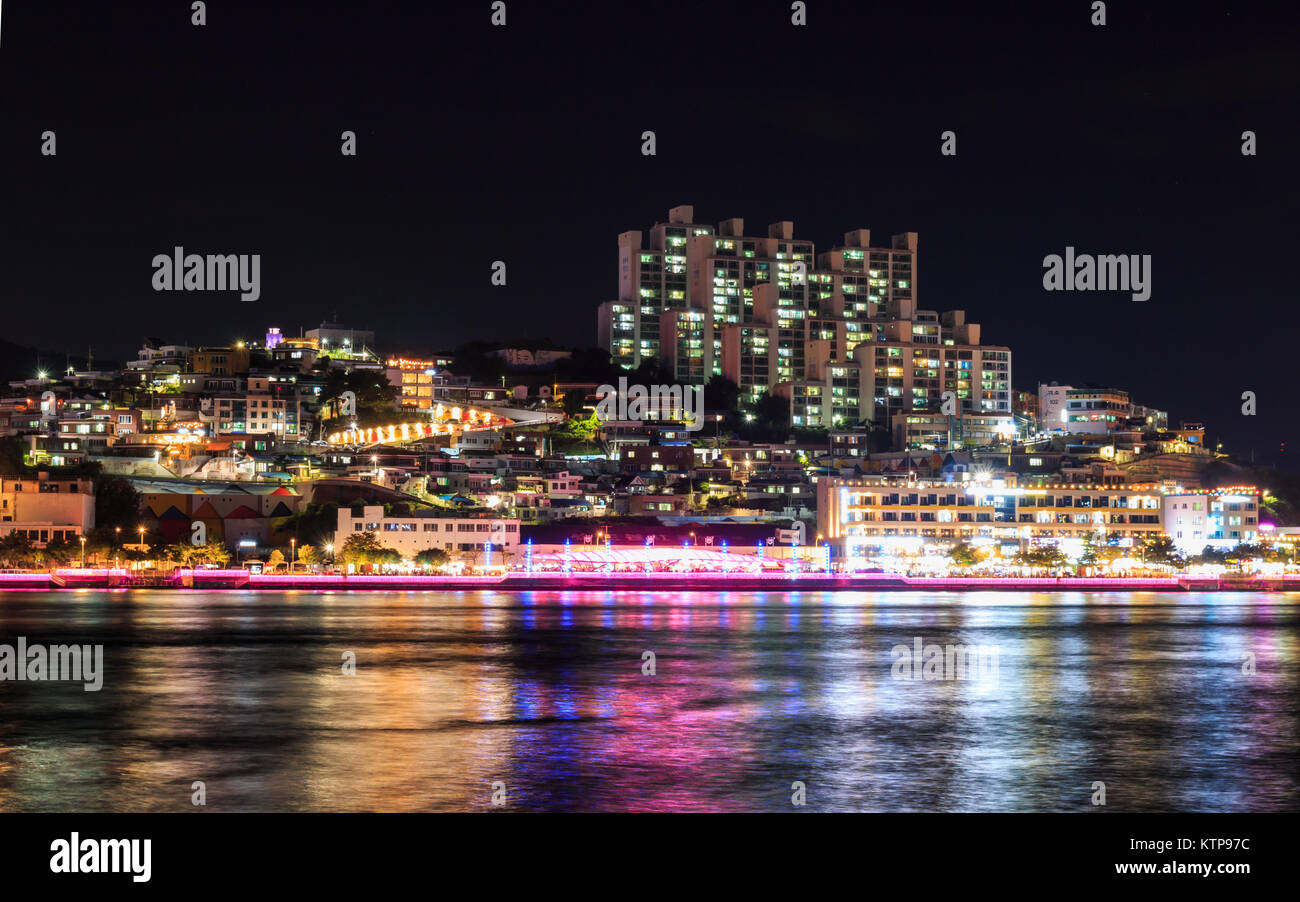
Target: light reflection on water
x=545 y=692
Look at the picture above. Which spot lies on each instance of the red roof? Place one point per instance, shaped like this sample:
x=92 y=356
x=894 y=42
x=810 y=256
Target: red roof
x=243 y=512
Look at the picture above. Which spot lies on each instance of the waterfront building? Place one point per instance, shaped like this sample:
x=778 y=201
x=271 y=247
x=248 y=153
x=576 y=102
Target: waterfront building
x=1218 y=518
x=409 y=534
x=874 y=510
x=46 y=508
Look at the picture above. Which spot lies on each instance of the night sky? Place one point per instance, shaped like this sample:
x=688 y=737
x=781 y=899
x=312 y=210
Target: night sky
x=522 y=144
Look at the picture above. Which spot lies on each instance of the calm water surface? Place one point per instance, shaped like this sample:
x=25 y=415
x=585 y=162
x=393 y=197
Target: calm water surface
x=544 y=691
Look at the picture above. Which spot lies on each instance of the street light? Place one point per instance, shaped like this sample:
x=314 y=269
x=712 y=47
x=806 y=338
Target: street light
x=83 y=552
x=293 y=550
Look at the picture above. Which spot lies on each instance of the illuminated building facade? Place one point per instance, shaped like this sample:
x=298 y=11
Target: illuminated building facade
x=687 y=342
x=770 y=310
x=1219 y=518
x=414 y=380
x=1051 y=406
x=1096 y=410
x=749 y=358
x=257 y=411
x=44 y=509
x=427 y=529
x=923 y=429
x=871 y=509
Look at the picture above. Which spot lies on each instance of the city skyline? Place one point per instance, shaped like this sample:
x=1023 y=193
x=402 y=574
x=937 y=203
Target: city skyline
x=401 y=238
x=700 y=406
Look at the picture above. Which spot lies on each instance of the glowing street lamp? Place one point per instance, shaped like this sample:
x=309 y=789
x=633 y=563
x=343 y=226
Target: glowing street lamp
x=83 y=552
x=293 y=553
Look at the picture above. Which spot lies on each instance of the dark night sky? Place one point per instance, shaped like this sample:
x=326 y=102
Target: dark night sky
x=523 y=144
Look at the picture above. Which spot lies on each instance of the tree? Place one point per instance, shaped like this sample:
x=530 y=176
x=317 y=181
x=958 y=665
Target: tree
x=308 y=555
x=963 y=555
x=275 y=560
x=213 y=552
x=720 y=393
x=1097 y=552
x=375 y=396
x=1210 y=555
x=1162 y=550
x=314 y=524
x=12 y=461
x=16 y=550
x=578 y=428
x=1043 y=558
x=573 y=403
x=768 y=418
x=363 y=548
x=117 y=503
x=59 y=551
x=188 y=555
x=433 y=558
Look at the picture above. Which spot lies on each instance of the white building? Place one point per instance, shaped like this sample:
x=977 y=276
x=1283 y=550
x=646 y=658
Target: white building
x=425 y=529
x=1051 y=406
x=44 y=509
x=1221 y=519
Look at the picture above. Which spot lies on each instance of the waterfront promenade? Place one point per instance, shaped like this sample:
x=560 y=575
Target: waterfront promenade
x=183 y=579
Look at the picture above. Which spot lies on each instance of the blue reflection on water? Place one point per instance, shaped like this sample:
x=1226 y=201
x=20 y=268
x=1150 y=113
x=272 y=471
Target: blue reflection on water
x=545 y=691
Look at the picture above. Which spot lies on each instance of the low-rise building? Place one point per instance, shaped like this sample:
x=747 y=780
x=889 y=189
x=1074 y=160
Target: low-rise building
x=409 y=534
x=45 y=508
x=1218 y=518
x=871 y=510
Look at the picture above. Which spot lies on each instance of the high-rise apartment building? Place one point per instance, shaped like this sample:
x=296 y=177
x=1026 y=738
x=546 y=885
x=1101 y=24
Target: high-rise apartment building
x=837 y=333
